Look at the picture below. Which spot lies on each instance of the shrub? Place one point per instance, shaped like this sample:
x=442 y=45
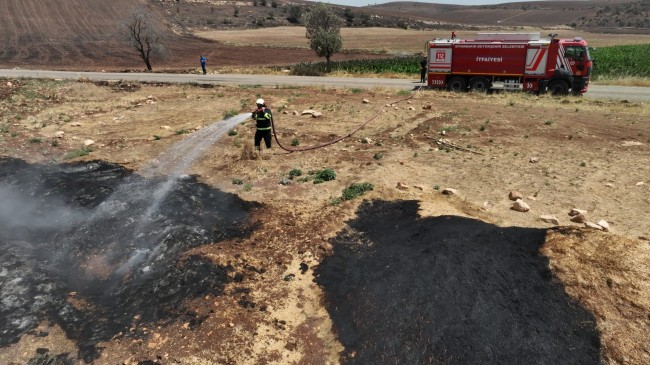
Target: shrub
x=295 y=173
x=295 y=142
x=229 y=113
x=182 y=131
x=237 y=181
x=356 y=190
x=232 y=132
x=83 y=151
x=35 y=140
x=324 y=175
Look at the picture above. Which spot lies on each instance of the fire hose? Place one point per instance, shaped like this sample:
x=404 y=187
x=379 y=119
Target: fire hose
x=353 y=131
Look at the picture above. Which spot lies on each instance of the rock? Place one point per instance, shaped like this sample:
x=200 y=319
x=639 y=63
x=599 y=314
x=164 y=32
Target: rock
x=165 y=127
x=9 y=84
x=285 y=112
x=531 y=197
x=534 y=159
x=520 y=206
x=295 y=112
x=443 y=132
x=514 y=195
x=366 y=140
x=487 y=205
x=411 y=108
x=388 y=105
x=419 y=187
x=231 y=324
x=59 y=134
x=631 y=143
x=550 y=219
x=578 y=218
x=285 y=181
x=576 y=211
x=593 y=226
x=366 y=101
x=609 y=185
x=428 y=106
x=640 y=183
x=449 y=191
x=314 y=113
x=402 y=186
x=603 y=223
x=88 y=142
x=75 y=124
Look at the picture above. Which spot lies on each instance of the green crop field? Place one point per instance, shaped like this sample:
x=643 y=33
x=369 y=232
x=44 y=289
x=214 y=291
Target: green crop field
x=622 y=61
x=611 y=63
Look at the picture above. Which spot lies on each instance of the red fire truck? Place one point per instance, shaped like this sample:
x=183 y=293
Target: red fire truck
x=510 y=61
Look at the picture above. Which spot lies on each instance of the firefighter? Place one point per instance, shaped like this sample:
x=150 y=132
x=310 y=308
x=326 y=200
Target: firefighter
x=423 y=69
x=262 y=116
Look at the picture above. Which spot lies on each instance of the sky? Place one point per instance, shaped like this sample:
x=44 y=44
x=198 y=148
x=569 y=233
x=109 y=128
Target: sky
x=462 y=2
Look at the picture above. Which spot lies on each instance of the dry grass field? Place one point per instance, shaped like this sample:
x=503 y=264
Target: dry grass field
x=559 y=153
x=391 y=41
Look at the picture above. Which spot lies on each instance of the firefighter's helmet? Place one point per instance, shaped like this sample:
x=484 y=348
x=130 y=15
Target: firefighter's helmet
x=260 y=102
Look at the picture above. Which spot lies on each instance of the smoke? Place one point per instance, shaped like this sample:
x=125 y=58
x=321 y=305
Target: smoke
x=23 y=210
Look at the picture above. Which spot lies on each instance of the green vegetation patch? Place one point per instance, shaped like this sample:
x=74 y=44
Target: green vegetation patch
x=621 y=61
x=356 y=190
x=79 y=152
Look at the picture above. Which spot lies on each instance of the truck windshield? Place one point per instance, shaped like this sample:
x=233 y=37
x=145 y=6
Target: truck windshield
x=577 y=53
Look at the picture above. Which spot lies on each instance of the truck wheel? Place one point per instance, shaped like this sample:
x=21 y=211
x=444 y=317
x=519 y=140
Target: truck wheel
x=558 y=87
x=457 y=84
x=479 y=84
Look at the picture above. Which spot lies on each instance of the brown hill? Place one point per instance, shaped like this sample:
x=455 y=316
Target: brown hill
x=537 y=13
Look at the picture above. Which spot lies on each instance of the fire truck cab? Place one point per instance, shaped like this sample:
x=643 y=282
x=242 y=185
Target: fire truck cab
x=510 y=61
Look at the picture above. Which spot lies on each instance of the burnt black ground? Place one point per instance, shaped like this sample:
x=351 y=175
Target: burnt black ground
x=47 y=238
x=449 y=290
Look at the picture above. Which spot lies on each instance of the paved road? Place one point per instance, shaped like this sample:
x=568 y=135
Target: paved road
x=629 y=93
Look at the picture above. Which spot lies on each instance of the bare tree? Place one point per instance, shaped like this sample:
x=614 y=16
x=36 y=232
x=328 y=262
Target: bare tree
x=324 y=31
x=141 y=30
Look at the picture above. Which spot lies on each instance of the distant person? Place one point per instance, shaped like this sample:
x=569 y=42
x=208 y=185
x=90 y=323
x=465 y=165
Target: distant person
x=423 y=69
x=262 y=116
x=453 y=35
x=203 y=62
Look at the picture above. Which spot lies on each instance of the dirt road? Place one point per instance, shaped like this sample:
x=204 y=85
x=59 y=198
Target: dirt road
x=595 y=91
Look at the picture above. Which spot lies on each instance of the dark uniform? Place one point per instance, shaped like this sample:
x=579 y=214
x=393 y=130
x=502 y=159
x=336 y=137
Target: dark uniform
x=262 y=116
x=423 y=70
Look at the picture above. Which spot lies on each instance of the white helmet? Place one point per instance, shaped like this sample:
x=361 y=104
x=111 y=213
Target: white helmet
x=260 y=101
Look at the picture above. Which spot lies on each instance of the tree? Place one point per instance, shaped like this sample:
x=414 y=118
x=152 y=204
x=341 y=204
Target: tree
x=143 y=33
x=295 y=12
x=324 y=31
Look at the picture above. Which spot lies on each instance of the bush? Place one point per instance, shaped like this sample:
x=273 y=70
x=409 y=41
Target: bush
x=229 y=113
x=295 y=142
x=295 y=173
x=232 y=132
x=324 y=175
x=237 y=181
x=356 y=190
x=83 y=151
